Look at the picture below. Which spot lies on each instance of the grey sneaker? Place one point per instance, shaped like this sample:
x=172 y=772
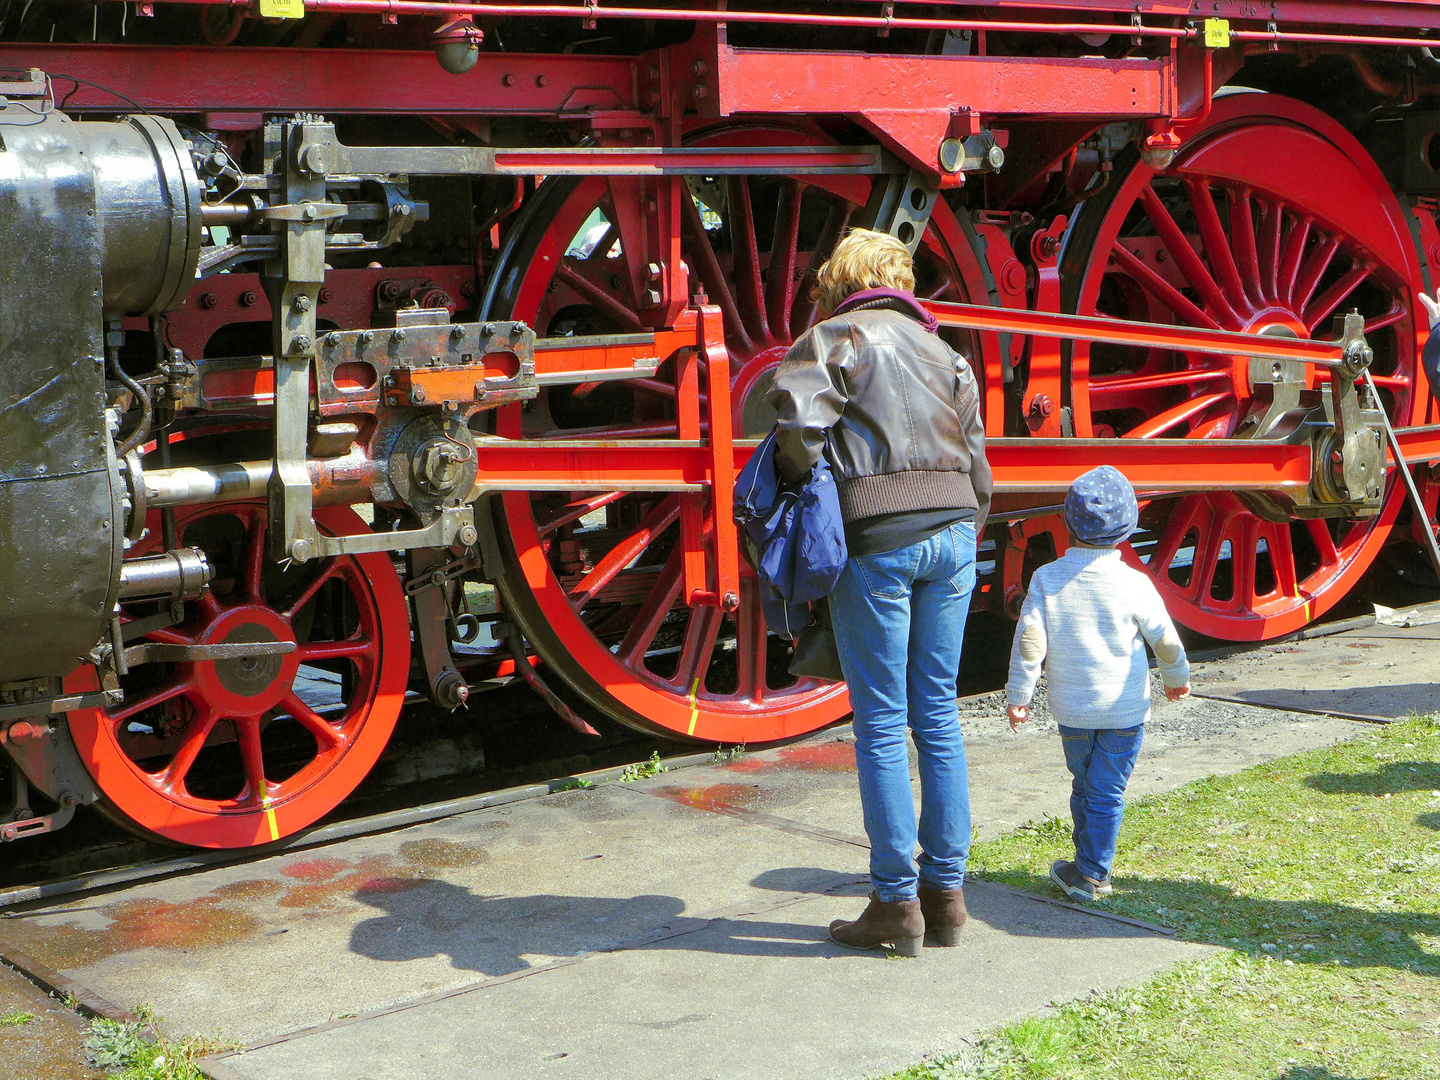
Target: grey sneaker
x=1072 y=883
x=1104 y=887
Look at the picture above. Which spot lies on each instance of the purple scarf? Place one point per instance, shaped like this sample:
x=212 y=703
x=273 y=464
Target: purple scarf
x=892 y=299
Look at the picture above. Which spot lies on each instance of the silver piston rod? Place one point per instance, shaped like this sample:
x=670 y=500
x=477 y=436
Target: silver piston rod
x=338 y=481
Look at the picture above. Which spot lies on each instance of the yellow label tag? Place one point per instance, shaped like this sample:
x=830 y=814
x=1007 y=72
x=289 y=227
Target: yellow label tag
x=1217 y=31
x=295 y=9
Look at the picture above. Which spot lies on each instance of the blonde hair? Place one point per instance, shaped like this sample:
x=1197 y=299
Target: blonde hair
x=865 y=259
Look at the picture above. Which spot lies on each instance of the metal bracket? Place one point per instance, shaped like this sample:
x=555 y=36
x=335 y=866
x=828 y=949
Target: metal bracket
x=151 y=652
x=901 y=205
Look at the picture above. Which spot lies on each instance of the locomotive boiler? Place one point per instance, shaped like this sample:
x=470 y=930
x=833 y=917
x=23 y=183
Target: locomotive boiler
x=352 y=349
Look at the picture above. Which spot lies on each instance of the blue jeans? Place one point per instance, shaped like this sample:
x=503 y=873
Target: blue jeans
x=899 y=623
x=1101 y=763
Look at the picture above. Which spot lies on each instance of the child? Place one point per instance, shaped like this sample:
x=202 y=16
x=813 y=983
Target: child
x=1087 y=618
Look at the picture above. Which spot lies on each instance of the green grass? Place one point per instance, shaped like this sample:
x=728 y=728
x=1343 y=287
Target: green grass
x=123 y=1051
x=15 y=1018
x=1319 y=875
x=643 y=770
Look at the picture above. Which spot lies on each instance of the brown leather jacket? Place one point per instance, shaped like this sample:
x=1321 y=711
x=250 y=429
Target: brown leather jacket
x=902 y=410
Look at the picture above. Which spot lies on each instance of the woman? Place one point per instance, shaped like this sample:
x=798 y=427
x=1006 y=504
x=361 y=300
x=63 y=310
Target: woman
x=898 y=413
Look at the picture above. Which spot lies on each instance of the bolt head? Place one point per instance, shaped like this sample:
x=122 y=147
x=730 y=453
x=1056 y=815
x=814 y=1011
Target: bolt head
x=367 y=336
x=468 y=535
x=301 y=303
x=301 y=550
x=417 y=396
x=332 y=339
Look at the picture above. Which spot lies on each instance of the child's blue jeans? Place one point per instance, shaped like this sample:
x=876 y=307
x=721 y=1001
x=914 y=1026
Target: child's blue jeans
x=1100 y=762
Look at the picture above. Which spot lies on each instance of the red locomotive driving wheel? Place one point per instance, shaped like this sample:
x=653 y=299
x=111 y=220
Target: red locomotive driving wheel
x=1271 y=220
x=233 y=753
x=595 y=578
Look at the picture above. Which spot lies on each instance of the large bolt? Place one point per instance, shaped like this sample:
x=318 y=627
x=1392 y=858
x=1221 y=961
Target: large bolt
x=367 y=336
x=300 y=343
x=301 y=303
x=450 y=689
x=248 y=299
x=468 y=535
x=301 y=550
x=208 y=300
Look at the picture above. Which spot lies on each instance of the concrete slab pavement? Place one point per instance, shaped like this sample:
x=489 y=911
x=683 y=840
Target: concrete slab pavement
x=671 y=926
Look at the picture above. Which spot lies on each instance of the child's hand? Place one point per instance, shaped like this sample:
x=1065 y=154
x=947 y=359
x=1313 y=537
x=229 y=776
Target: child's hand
x=1017 y=715
x=1175 y=693
x=1432 y=308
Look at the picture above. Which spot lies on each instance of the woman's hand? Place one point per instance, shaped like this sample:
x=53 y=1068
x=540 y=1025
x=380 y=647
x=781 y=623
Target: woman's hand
x=1017 y=715
x=1432 y=308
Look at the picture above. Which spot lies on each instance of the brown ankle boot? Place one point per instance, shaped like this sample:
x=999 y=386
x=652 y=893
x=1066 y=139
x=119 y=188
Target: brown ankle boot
x=898 y=924
x=945 y=915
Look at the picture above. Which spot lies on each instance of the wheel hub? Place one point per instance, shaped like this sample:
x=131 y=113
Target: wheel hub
x=247 y=685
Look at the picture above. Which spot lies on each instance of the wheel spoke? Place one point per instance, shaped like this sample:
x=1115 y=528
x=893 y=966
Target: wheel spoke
x=149 y=701
x=247 y=733
x=1216 y=244
x=325 y=732
x=745 y=254
x=750 y=641
x=169 y=636
x=1178 y=414
x=696 y=650
x=1290 y=261
x=1335 y=295
x=1244 y=551
x=802 y=314
x=780 y=283
x=1282 y=558
x=1312 y=272
x=308 y=593
x=1390 y=318
x=253 y=584
x=1271 y=220
x=651 y=615
x=627 y=551
x=701 y=254
x=345 y=649
x=1116 y=385
x=574 y=511
x=1243 y=246
x=172 y=777
x=611 y=306
x=1187 y=260
x=209 y=605
x=1324 y=543
x=1168 y=546
x=1209 y=538
x=1178 y=303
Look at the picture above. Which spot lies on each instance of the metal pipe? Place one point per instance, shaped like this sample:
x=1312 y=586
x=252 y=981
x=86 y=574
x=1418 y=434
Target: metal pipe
x=226 y=213
x=596 y=11
x=336 y=481
x=590 y=12
x=179 y=574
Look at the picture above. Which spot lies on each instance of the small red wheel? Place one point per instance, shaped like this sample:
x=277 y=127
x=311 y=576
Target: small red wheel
x=233 y=753
x=1270 y=220
x=595 y=578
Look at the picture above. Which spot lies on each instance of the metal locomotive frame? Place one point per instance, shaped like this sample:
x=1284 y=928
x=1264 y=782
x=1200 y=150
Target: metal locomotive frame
x=513 y=278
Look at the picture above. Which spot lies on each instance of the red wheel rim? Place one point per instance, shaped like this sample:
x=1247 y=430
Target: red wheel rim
x=716 y=678
x=227 y=754
x=1270 y=220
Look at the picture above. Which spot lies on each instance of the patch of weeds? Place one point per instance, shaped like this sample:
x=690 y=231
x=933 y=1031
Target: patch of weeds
x=124 y=1051
x=735 y=753
x=15 y=1018
x=643 y=770
x=986 y=1059
x=1315 y=873
x=576 y=783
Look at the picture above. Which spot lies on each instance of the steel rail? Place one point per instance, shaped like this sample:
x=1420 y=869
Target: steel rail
x=1154 y=335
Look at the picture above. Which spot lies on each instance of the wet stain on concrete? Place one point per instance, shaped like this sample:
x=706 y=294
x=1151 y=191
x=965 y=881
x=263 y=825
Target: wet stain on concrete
x=253 y=889
x=236 y=911
x=834 y=756
x=316 y=869
x=714 y=796
x=201 y=923
x=437 y=853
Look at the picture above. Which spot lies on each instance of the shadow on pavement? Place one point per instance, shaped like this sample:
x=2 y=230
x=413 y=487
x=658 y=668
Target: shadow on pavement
x=1430 y=821
x=500 y=935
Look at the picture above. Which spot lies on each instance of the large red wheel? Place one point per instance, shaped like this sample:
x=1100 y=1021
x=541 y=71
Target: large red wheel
x=594 y=579
x=233 y=753
x=1271 y=220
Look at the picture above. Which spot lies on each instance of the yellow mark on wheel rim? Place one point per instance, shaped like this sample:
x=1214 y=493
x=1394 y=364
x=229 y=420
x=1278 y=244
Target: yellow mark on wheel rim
x=694 y=708
x=269 y=811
